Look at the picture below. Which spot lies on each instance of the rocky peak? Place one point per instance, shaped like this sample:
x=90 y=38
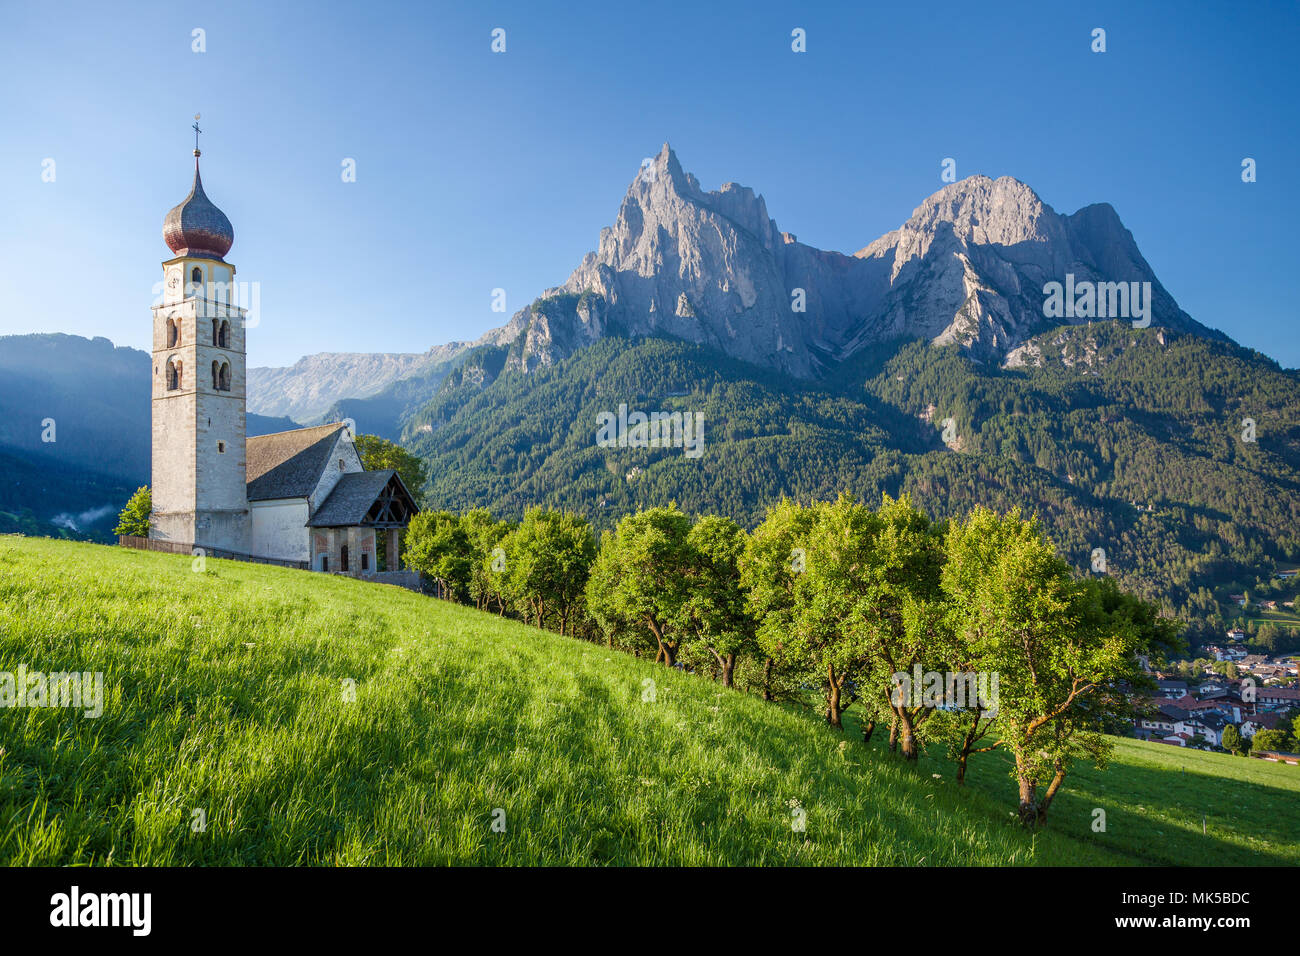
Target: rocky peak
x=968 y=267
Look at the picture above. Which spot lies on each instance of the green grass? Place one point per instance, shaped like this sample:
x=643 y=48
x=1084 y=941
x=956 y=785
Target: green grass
x=224 y=691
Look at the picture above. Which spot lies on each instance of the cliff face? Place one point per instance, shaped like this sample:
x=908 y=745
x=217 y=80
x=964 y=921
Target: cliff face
x=968 y=267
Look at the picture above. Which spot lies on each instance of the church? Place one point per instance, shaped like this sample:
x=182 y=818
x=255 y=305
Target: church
x=301 y=497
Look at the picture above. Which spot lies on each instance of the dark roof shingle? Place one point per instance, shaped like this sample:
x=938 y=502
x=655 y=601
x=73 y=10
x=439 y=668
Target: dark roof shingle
x=351 y=498
x=289 y=464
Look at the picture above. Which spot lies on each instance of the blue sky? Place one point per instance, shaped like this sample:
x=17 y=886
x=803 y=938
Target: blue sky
x=478 y=170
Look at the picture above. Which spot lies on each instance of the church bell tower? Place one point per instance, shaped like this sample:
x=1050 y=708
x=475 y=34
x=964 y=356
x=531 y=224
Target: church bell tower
x=198 y=485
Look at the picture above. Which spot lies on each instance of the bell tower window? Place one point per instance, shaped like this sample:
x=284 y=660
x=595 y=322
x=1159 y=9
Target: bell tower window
x=173 y=374
x=196 y=276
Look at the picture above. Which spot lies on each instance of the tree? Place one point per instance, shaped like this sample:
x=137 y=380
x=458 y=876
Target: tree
x=1233 y=742
x=1265 y=739
x=379 y=453
x=865 y=607
x=714 y=613
x=134 y=519
x=1062 y=649
x=489 y=543
x=549 y=561
x=638 y=581
x=772 y=562
x=819 y=633
x=439 y=547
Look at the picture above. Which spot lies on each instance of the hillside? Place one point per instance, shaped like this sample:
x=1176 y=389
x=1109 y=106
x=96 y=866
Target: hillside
x=225 y=693
x=1122 y=439
x=97 y=395
x=306 y=390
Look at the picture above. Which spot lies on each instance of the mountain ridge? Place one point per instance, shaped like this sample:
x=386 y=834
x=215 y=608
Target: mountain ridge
x=968 y=267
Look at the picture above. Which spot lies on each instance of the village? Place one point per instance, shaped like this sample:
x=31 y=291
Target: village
x=1224 y=698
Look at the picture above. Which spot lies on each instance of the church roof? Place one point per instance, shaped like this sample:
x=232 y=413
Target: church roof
x=197 y=227
x=375 y=498
x=289 y=464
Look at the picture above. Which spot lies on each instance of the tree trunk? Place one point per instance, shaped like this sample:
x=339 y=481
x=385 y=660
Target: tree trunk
x=868 y=728
x=910 y=749
x=1028 y=795
x=767 y=679
x=664 y=654
x=1057 y=779
x=833 y=711
x=967 y=743
x=893 y=734
x=728 y=665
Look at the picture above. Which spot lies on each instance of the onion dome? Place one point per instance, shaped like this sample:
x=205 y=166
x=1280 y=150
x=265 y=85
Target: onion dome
x=197 y=227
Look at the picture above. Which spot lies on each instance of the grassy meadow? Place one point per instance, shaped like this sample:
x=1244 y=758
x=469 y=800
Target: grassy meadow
x=225 y=691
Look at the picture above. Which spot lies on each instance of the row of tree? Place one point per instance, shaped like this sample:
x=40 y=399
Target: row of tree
x=833 y=603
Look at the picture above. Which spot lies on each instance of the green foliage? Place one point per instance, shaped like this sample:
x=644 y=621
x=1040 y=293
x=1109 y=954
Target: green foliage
x=1233 y=742
x=549 y=558
x=487 y=539
x=439 y=547
x=134 y=519
x=1275 y=740
x=229 y=698
x=638 y=582
x=1111 y=416
x=378 y=454
x=714 y=616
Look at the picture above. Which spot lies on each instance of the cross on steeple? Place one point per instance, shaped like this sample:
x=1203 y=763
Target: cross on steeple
x=196 y=129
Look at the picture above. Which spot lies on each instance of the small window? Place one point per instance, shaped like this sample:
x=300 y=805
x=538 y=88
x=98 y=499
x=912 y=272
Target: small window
x=222 y=335
x=173 y=334
x=365 y=561
x=197 y=276
x=173 y=374
x=340 y=464
x=221 y=448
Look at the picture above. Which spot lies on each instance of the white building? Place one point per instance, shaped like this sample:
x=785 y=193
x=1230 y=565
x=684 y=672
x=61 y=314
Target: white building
x=301 y=496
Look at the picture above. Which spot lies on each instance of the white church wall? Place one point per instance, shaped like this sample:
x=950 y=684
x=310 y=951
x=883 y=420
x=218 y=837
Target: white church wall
x=279 y=529
x=346 y=451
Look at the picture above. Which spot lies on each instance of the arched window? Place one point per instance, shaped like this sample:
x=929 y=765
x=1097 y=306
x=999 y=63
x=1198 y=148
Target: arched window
x=223 y=338
x=173 y=374
x=196 y=276
x=214 y=331
x=224 y=379
x=216 y=376
x=173 y=334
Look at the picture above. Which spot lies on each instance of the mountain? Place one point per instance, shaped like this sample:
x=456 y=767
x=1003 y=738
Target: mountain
x=306 y=390
x=1127 y=440
x=97 y=396
x=969 y=267
x=931 y=362
x=712 y=268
